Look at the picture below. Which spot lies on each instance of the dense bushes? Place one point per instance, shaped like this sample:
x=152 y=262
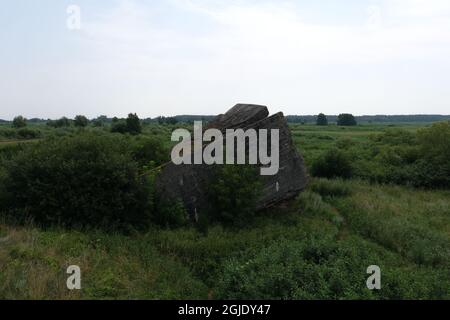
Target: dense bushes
x=60 y=123
x=82 y=180
x=150 y=151
x=106 y=180
x=322 y=120
x=346 y=119
x=397 y=156
x=233 y=194
x=19 y=122
x=322 y=269
x=333 y=164
x=433 y=168
x=131 y=125
x=81 y=121
x=20 y=134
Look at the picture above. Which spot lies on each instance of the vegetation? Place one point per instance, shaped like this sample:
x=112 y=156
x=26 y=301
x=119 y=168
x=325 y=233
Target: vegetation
x=346 y=119
x=19 y=122
x=333 y=164
x=63 y=122
x=81 y=121
x=131 y=125
x=322 y=120
x=379 y=195
x=83 y=180
x=233 y=195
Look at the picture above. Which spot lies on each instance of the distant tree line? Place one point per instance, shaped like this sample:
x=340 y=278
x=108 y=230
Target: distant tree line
x=80 y=121
x=312 y=119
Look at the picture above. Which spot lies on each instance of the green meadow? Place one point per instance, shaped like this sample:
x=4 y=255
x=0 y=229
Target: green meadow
x=317 y=246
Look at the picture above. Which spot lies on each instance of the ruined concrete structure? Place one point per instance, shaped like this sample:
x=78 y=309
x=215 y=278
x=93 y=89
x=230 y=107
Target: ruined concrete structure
x=189 y=183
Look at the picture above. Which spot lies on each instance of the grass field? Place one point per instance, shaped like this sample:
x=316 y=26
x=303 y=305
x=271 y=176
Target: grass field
x=316 y=247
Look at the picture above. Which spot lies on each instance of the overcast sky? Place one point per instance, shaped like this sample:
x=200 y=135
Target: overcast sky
x=173 y=57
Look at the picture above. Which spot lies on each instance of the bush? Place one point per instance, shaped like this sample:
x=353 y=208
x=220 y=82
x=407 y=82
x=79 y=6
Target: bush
x=81 y=121
x=233 y=194
x=433 y=168
x=133 y=124
x=25 y=133
x=97 y=123
x=312 y=269
x=60 y=123
x=322 y=120
x=332 y=164
x=346 y=119
x=19 y=122
x=119 y=127
x=169 y=214
x=77 y=181
x=324 y=269
x=150 y=150
x=395 y=137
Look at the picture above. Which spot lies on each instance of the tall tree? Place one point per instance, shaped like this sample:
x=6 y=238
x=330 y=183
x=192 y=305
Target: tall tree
x=19 y=122
x=81 y=121
x=133 y=124
x=346 y=119
x=322 y=120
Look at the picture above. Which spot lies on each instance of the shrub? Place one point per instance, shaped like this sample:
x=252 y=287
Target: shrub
x=312 y=269
x=395 y=137
x=63 y=122
x=322 y=120
x=346 y=119
x=332 y=164
x=119 y=127
x=133 y=124
x=233 y=194
x=433 y=168
x=19 y=122
x=169 y=214
x=25 y=133
x=81 y=121
x=77 y=181
x=324 y=269
x=97 y=123
x=150 y=150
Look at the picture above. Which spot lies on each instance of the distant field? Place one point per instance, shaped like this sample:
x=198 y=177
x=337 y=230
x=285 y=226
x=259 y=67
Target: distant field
x=312 y=140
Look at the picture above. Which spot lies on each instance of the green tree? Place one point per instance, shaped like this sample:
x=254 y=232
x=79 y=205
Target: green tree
x=322 y=120
x=346 y=119
x=19 y=122
x=133 y=124
x=81 y=121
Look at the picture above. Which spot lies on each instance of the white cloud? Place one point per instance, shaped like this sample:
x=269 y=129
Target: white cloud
x=418 y=8
x=390 y=60
x=263 y=52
